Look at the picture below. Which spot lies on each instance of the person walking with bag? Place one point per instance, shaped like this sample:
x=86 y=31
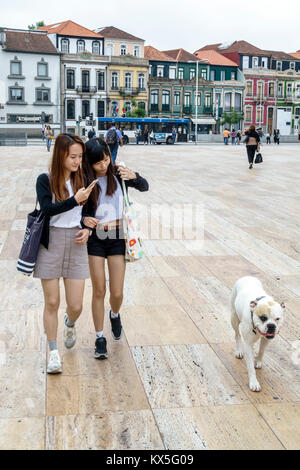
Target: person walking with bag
x=48 y=135
x=252 y=143
x=103 y=214
x=114 y=138
x=63 y=252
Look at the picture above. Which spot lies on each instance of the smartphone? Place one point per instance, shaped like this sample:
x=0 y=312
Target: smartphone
x=92 y=184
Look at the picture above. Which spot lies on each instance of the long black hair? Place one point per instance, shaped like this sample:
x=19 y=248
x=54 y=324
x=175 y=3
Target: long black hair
x=95 y=151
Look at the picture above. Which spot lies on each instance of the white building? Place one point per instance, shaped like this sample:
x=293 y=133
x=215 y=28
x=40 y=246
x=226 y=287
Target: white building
x=29 y=82
x=84 y=75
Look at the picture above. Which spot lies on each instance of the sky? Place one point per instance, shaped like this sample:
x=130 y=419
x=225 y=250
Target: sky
x=171 y=24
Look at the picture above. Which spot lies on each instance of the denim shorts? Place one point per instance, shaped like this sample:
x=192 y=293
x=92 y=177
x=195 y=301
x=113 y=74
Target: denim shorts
x=112 y=243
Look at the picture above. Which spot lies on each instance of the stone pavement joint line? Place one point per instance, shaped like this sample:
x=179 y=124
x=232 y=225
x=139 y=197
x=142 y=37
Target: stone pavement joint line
x=172 y=382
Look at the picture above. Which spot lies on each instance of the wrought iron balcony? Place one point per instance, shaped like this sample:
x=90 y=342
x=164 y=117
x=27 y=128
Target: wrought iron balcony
x=86 y=89
x=126 y=91
x=154 y=108
x=187 y=109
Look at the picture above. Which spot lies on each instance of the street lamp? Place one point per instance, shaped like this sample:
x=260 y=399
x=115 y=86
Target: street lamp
x=196 y=100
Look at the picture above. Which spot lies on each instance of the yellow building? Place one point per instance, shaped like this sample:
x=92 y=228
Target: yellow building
x=128 y=71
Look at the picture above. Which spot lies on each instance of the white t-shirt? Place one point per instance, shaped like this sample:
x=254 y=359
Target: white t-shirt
x=69 y=219
x=110 y=208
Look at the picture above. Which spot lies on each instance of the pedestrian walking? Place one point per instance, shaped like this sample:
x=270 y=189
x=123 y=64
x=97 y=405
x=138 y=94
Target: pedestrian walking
x=146 y=137
x=268 y=137
x=114 y=139
x=226 y=135
x=49 y=137
x=137 y=135
x=277 y=136
x=233 y=136
x=103 y=213
x=152 y=137
x=252 y=143
x=63 y=251
x=174 y=135
x=238 y=137
x=43 y=133
x=91 y=134
x=261 y=135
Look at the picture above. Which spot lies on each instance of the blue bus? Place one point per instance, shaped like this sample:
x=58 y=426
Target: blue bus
x=162 y=128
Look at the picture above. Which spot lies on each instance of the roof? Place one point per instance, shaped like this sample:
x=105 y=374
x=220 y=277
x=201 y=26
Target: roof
x=214 y=58
x=154 y=54
x=280 y=55
x=242 y=47
x=296 y=55
x=110 y=32
x=69 y=28
x=181 y=55
x=29 y=41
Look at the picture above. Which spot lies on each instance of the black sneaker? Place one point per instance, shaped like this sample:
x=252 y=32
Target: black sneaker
x=100 y=349
x=116 y=327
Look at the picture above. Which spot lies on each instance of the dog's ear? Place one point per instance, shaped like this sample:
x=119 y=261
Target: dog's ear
x=282 y=305
x=253 y=304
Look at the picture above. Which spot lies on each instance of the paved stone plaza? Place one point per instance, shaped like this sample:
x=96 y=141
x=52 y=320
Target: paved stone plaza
x=173 y=381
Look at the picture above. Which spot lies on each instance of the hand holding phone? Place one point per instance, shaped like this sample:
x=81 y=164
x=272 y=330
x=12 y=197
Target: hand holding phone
x=92 y=184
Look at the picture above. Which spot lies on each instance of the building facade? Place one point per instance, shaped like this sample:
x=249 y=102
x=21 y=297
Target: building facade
x=29 y=82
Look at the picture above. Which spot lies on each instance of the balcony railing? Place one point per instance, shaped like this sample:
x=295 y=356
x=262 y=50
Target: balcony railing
x=165 y=108
x=86 y=89
x=187 y=109
x=131 y=91
x=154 y=108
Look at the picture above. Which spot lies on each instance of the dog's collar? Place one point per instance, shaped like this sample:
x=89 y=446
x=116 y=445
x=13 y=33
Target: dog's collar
x=254 y=327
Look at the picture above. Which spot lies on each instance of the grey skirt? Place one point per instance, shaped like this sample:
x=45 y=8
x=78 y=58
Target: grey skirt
x=63 y=258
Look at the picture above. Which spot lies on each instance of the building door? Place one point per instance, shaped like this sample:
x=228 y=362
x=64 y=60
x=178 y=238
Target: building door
x=270 y=120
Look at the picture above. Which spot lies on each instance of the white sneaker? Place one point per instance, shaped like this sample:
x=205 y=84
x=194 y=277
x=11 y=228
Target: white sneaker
x=69 y=335
x=54 y=365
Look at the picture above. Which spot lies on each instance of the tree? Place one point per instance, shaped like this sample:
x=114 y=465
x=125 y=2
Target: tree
x=136 y=111
x=231 y=118
x=37 y=25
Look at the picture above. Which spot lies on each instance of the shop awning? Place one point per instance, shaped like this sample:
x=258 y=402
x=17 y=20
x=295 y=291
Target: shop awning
x=204 y=121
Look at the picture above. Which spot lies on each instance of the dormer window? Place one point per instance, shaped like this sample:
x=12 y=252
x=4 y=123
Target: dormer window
x=292 y=65
x=96 y=47
x=279 y=65
x=80 y=46
x=65 y=46
x=123 y=49
x=255 y=62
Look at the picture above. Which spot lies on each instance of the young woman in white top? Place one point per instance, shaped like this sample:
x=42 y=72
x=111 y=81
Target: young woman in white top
x=103 y=215
x=63 y=252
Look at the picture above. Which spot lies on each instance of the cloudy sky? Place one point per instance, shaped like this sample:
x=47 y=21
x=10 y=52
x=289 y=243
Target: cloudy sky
x=170 y=24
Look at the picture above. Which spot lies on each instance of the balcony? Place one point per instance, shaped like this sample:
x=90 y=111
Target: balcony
x=131 y=91
x=87 y=89
x=187 y=109
x=154 y=108
x=165 y=108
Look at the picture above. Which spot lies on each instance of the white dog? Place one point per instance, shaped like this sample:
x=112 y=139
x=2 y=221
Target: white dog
x=255 y=316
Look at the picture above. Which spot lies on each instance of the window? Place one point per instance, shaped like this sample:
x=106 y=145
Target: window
x=136 y=51
x=297 y=111
x=254 y=62
x=160 y=70
x=16 y=94
x=238 y=102
x=264 y=62
x=248 y=114
x=245 y=62
x=298 y=91
x=70 y=109
x=128 y=81
x=259 y=114
x=114 y=81
x=154 y=97
x=142 y=81
x=218 y=98
x=43 y=95
x=110 y=49
x=192 y=74
x=115 y=108
x=172 y=73
x=223 y=75
x=80 y=46
x=71 y=79
x=180 y=74
x=212 y=75
x=207 y=102
x=85 y=81
x=96 y=47
x=271 y=89
x=280 y=90
x=123 y=49
x=279 y=65
x=232 y=75
x=101 y=109
x=292 y=65
x=65 y=46
x=204 y=74
x=127 y=106
x=198 y=100
x=260 y=90
x=15 y=68
x=142 y=105
x=249 y=88
x=289 y=90
x=85 y=109
x=42 y=70
x=187 y=99
x=228 y=101
x=101 y=81
x=177 y=98
x=150 y=70
x=166 y=97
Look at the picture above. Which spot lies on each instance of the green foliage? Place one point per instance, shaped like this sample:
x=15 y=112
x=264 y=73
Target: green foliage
x=136 y=111
x=37 y=25
x=231 y=118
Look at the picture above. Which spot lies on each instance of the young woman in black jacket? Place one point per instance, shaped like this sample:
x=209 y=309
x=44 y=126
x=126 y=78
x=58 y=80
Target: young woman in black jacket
x=252 y=143
x=103 y=215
